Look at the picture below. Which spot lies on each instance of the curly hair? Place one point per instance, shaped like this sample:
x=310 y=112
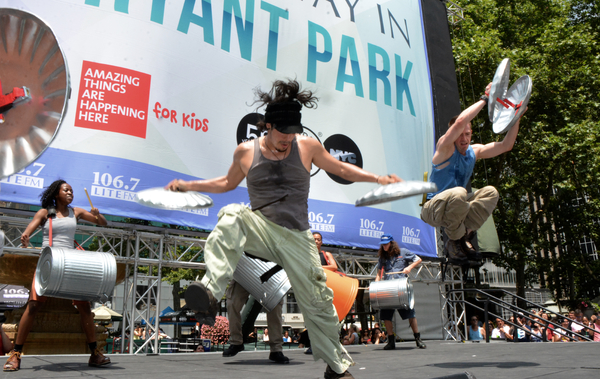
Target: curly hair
x=281 y=92
x=392 y=251
x=48 y=197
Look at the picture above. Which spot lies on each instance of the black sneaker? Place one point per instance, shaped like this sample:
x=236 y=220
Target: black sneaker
x=232 y=350
x=278 y=357
x=201 y=300
x=330 y=374
x=467 y=246
x=308 y=351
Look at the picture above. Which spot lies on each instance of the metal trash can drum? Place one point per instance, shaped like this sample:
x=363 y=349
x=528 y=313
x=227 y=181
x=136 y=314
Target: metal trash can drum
x=75 y=274
x=392 y=294
x=269 y=294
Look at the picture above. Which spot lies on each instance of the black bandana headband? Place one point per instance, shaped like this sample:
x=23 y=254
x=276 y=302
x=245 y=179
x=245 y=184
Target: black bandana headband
x=285 y=117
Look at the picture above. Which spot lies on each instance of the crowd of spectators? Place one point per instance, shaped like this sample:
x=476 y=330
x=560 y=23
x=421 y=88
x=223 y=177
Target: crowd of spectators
x=373 y=336
x=539 y=327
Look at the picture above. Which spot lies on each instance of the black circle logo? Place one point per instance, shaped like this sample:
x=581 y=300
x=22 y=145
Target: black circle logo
x=343 y=149
x=247 y=129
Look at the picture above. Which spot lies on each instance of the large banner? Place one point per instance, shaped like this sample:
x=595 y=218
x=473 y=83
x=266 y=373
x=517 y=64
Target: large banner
x=164 y=89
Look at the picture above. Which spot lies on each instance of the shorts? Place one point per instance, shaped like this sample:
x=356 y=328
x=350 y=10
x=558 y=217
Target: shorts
x=388 y=314
x=42 y=299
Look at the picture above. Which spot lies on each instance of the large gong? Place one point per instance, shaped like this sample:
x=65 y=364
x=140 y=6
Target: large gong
x=34 y=89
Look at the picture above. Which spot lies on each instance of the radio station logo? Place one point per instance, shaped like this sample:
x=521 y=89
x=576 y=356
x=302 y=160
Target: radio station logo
x=247 y=129
x=343 y=149
x=371 y=228
x=321 y=222
x=27 y=177
x=411 y=235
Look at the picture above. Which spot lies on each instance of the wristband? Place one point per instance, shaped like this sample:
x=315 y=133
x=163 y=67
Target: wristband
x=484 y=98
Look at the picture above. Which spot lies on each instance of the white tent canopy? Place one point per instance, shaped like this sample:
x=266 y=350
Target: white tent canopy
x=104 y=313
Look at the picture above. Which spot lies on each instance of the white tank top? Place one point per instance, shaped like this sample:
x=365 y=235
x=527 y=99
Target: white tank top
x=63 y=231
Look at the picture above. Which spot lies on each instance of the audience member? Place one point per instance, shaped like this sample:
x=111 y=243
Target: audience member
x=524 y=330
x=596 y=327
x=536 y=332
x=576 y=326
x=353 y=338
x=563 y=333
x=476 y=332
x=376 y=336
x=585 y=331
x=490 y=328
x=502 y=331
x=365 y=339
x=253 y=335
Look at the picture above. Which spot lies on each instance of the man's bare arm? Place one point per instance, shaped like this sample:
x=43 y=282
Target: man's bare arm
x=322 y=159
x=220 y=184
x=493 y=149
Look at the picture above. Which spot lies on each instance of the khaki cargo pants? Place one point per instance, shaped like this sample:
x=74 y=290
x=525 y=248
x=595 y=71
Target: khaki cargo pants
x=456 y=210
x=238 y=230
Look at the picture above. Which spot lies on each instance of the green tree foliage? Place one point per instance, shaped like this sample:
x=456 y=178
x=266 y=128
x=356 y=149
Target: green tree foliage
x=548 y=184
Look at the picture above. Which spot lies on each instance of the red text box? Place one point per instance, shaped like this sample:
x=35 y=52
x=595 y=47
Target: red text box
x=114 y=99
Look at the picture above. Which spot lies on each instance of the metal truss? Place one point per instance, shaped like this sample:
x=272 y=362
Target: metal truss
x=145 y=251
x=455 y=13
x=454 y=326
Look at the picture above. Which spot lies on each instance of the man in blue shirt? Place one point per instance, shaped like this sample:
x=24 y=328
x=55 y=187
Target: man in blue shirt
x=396 y=263
x=452 y=207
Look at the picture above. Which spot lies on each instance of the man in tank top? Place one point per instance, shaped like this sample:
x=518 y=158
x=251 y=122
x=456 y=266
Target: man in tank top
x=459 y=212
x=277 y=171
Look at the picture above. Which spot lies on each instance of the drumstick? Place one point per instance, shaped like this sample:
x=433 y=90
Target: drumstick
x=88 y=196
x=90 y=200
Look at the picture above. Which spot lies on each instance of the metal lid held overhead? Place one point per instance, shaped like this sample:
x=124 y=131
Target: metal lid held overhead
x=35 y=89
x=510 y=108
x=507 y=105
x=499 y=85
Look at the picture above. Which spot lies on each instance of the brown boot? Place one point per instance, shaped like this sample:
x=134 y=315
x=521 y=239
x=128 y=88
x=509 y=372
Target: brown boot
x=97 y=359
x=13 y=363
x=330 y=374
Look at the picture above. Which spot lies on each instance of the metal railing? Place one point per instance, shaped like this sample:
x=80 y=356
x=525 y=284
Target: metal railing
x=487 y=298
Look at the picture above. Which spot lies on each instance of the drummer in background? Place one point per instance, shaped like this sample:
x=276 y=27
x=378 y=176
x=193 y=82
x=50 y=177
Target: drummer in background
x=459 y=212
x=56 y=200
x=396 y=263
x=327 y=260
x=277 y=170
x=237 y=296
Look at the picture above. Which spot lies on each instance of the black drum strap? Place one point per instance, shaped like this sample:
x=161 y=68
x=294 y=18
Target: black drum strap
x=272 y=271
x=268 y=274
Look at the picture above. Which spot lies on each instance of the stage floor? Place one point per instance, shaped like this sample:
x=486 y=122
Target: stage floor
x=440 y=359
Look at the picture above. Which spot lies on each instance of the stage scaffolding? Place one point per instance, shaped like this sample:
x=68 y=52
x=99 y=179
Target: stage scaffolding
x=145 y=250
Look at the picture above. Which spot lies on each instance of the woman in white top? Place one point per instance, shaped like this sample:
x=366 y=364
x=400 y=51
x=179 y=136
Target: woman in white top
x=56 y=200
